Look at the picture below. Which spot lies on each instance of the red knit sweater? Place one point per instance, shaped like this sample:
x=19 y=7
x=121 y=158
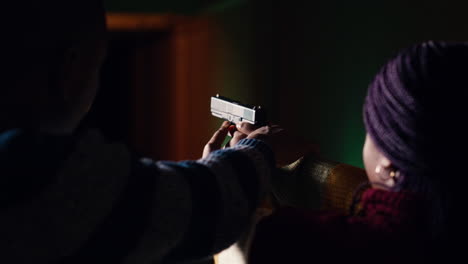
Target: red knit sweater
x=389 y=228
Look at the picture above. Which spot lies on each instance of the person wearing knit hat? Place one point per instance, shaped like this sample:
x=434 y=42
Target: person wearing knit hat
x=414 y=154
x=414 y=114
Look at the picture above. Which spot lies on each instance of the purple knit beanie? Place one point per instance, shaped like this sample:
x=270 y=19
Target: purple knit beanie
x=415 y=110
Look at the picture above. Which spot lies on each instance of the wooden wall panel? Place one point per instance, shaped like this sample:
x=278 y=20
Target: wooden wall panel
x=193 y=85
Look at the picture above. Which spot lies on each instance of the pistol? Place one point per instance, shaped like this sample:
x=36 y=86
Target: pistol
x=236 y=112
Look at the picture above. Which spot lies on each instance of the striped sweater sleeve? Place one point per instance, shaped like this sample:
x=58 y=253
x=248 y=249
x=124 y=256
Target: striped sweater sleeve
x=202 y=207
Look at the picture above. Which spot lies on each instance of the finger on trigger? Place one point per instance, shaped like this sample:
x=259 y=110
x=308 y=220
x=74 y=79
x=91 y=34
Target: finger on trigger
x=232 y=129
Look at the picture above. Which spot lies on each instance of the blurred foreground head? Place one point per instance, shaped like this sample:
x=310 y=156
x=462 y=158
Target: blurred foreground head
x=51 y=53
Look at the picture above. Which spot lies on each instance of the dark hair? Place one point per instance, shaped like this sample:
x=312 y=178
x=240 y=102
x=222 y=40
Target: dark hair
x=415 y=112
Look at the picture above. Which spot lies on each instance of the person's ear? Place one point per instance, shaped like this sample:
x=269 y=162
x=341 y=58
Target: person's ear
x=388 y=175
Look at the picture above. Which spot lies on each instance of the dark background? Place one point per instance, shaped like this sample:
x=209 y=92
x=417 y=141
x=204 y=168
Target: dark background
x=310 y=62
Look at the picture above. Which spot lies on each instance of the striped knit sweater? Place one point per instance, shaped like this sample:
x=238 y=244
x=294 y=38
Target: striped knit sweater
x=85 y=200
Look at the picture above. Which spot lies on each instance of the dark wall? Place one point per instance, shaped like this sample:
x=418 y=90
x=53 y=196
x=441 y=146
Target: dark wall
x=169 y=6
